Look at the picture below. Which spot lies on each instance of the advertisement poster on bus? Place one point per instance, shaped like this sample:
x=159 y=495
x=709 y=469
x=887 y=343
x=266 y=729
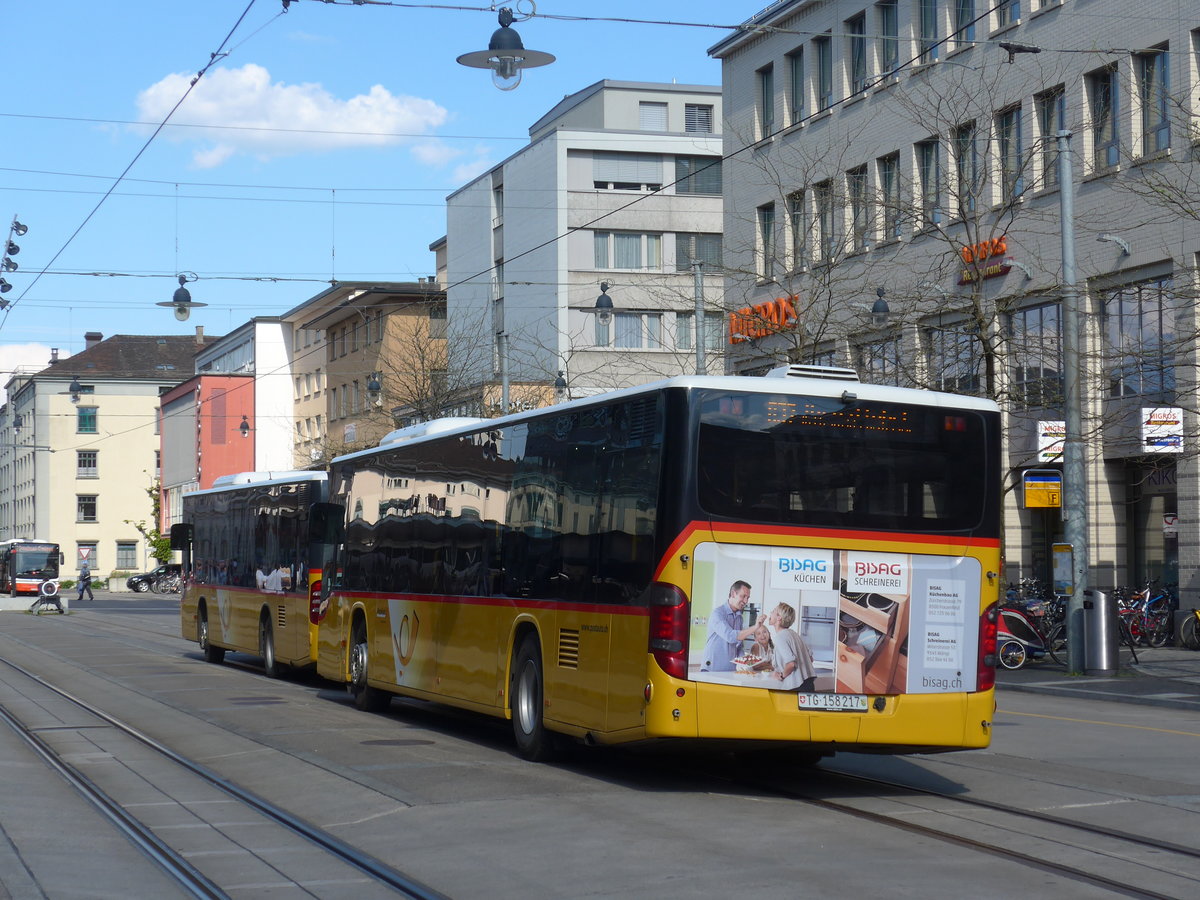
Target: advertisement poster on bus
x=833 y=621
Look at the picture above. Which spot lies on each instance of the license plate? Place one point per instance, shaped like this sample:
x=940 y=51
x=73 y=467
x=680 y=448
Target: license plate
x=841 y=702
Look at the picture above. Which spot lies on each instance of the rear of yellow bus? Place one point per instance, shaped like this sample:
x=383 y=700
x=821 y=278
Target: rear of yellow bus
x=834 y=572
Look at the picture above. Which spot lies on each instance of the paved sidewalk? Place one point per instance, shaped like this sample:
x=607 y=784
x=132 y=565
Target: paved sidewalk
x=1165 y=676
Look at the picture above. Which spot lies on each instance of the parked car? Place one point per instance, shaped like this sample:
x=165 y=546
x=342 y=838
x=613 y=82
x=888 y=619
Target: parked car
x=143 y=582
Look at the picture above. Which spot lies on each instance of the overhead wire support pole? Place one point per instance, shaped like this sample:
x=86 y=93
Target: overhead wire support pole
x=1075 y=493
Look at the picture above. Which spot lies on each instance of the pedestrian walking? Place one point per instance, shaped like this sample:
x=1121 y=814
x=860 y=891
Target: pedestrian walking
x=85 y=583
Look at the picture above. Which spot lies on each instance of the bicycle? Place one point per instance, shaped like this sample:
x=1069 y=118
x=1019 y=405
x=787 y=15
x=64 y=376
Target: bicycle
x=1189 y=630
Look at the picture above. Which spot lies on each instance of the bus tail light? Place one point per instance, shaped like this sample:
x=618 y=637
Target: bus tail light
x=314 y=602
x=985 y=678
x=669 y=610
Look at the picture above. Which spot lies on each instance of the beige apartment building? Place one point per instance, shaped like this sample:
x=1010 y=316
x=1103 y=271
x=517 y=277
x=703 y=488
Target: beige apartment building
x=894 y=202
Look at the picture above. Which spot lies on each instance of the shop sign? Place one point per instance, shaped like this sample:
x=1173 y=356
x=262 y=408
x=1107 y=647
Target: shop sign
x=1043 y=488
x=980 y=260
x=1170 y=525
x=1162 y=429
x=1051 y=438
x=764 y=319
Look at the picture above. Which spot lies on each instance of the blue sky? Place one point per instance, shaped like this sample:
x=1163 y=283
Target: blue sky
x=304 y=188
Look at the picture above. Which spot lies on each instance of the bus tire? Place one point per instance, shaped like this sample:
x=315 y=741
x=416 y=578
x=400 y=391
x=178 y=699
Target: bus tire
x=534 y=742
x=366 y=698
x=1012 y=654
x=211 y=653
x=266 y=647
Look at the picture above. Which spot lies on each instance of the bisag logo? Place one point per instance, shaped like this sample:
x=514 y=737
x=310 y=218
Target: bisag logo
x=801 y=568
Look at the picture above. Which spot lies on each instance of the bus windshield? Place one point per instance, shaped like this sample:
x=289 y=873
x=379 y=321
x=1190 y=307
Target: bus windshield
x=819 y=461
x=37 y=561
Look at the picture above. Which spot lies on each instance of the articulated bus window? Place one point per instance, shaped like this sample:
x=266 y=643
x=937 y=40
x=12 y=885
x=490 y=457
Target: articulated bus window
x=818 y=461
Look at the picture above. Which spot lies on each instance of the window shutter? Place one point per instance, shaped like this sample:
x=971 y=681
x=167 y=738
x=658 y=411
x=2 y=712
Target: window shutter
x=652 y=116
x=698 y=118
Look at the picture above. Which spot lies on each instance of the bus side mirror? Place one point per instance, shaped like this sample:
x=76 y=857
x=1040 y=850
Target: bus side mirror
x=181 y=536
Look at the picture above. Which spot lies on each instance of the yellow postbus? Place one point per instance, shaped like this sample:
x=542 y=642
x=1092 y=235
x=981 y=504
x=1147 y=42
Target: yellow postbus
x=252 y=567
x=798 y=559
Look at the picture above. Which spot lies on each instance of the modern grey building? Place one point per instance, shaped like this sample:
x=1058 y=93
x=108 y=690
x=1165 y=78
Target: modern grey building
x=620 y=185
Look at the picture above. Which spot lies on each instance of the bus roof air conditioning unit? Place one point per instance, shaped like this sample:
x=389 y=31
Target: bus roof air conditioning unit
x=829 y=373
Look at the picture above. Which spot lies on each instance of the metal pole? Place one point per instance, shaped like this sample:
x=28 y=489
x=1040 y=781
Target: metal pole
x=1075 y=494
x=701 y=337
x=502 y=349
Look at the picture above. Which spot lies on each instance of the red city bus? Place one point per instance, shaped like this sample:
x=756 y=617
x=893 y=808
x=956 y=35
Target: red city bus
x=25 y=565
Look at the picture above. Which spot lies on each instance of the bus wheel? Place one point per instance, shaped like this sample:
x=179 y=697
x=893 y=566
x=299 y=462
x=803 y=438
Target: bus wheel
x=211 y=653
x=366 y=698
x=266 y=647
x=534 y=742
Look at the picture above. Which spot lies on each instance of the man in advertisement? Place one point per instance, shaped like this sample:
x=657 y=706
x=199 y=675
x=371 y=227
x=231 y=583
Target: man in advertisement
x=727 y=630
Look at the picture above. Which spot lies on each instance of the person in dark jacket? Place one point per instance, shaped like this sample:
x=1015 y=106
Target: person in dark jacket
x=85 y=582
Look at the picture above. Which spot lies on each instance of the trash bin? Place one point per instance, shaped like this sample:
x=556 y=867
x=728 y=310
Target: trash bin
x=1099 y=633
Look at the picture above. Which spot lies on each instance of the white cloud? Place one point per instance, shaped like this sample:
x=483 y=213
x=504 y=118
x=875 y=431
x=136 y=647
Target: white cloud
x=267 y=119
x=24 y=358
x=469 y=171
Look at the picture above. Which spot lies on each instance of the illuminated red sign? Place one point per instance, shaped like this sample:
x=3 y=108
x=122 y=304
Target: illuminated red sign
x=767 y=318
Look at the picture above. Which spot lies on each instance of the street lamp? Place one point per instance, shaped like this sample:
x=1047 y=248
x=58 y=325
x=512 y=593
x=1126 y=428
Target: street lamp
x=880 y=309
x=604 y=305
x=374 y=389
x=244 y=428
x=182 y=300
x=506 y=56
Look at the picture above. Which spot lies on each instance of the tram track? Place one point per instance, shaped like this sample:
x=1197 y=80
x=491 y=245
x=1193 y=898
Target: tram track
x=1122 y=862
x=87 y=734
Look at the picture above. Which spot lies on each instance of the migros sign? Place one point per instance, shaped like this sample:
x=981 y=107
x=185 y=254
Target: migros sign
x=767 y=318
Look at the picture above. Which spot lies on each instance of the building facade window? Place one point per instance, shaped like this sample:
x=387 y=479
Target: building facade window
x=1140 y=327
x=627 y=250
x=652 y=116
x=1154 y=93
x=698 y=118
x=880 y=362
x=1103 y=97
x=697 y=247
x=825 y=221
x=856 y=33
x=714 y=331
x=888 y=168
x=1052 y=118
x=967 y=184
x=929 y=173
x=437 y=322
x=797 y=87
x=127 y=560
x=766 y=241
x=954 y=360
x=1008 y=151
x=765 y=78
x=637 y=331
x=889 y=37
x=698 y=175
x=87 y=463
x=928 y=31
x=86 y=507
x=798 y=226
x=860 y=213
x=87 y=420
x=87 y=552
x=1008 y=12
x=614 y=171
x=964 y=22
x=1036 y=356
x=824 y=47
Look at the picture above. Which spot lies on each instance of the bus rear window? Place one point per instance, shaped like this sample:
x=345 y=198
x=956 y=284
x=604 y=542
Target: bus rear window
x=795 y=460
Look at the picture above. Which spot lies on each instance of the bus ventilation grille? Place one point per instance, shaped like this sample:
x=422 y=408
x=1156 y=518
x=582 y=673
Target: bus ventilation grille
x=797 y=370
x=281 y=616
x=568 y=649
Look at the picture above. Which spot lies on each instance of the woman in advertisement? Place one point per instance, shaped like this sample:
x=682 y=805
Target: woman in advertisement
x=791 y=658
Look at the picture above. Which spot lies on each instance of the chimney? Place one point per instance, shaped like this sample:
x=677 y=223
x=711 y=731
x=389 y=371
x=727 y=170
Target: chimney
x=53 y=355
x=199 y=334
x=91 y=339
